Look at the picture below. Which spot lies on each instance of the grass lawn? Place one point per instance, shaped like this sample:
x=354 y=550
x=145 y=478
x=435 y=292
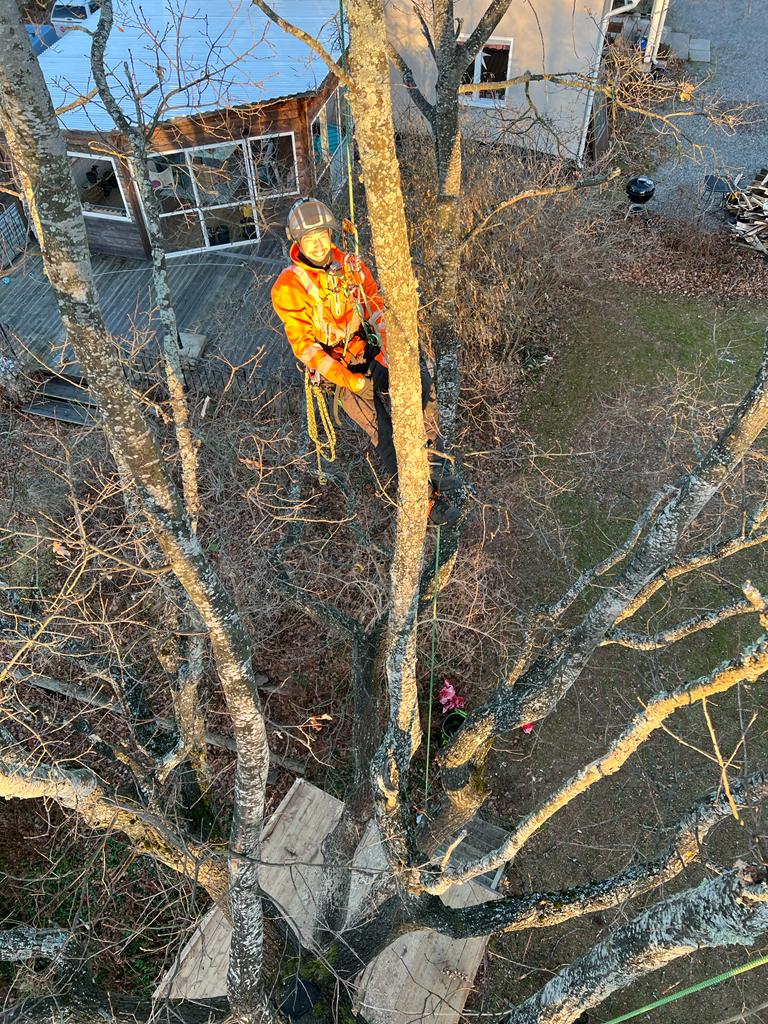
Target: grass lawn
x=639 y=386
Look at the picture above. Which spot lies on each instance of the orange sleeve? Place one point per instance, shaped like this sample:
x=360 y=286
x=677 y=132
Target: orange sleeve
x=294 y=307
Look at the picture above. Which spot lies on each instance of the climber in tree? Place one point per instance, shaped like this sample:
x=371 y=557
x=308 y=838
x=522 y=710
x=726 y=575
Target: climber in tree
x=333 y=315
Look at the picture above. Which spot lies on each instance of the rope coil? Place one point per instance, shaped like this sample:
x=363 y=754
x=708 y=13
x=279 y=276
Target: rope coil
x=325 y=450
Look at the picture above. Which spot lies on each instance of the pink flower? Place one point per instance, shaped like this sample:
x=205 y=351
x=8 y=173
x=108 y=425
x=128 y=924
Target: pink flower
x=449 y=698
x=527 y=728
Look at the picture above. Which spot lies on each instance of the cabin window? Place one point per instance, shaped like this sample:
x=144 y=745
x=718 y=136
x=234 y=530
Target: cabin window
x=208 y=195
x=99 y=188
x=492 y=64
x=274 y=164
x=74 y=12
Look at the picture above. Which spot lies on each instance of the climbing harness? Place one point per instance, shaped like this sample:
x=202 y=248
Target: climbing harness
x=698 y=987
x=325 y=451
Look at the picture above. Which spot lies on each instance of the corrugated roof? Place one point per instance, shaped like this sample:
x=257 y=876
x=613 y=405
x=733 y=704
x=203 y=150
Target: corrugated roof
x=244 y=57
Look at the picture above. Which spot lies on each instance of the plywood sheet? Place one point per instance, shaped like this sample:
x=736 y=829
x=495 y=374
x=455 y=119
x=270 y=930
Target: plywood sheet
x=422 y=977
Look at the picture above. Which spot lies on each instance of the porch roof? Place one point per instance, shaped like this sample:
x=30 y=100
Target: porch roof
x=249 y=59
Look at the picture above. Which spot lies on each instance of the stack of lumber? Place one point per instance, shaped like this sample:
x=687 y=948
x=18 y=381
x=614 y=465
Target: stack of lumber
x=750 y=208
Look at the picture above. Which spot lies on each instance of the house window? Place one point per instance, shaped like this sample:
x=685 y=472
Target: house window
x=99 y=188
x=274 y=164
x=492 y=64
x=329 y=131
x=208 y=194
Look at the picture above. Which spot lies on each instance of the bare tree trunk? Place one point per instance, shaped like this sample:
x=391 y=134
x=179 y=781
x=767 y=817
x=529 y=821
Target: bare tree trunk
x=39 y=154
x=28 y=943
x=138 y=141
x=445 y=266
x=372 y=108
x=190 y=645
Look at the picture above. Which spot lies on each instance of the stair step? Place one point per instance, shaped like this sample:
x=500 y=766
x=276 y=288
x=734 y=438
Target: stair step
x=66 y=391
x=64 y=411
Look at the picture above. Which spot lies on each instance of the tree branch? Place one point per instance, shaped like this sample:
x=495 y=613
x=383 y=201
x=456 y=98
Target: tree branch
x=747 y=668
x=484 y=29
x=547 y=679
x=97 y=700
x=690 y=563
x=588 y=577
x=548 y=909
x=697 y=623
x=310 y=41
x=114 y=1008
x=418 y=97
x=536 y=193
x=28 y=943
x=23 y=777
x=79 y=102
x=731 y=909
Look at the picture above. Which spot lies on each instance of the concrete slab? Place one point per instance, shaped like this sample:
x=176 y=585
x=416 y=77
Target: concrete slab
x=700 y=50
x=680 y=44
x=191 y=346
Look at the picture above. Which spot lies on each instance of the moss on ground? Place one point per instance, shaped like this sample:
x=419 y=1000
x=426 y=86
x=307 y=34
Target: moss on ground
x=623 y=335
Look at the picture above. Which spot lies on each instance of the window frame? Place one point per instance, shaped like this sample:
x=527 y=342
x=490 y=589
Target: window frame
x=322 y=117
x=252 y=200
x=478 y=99
x=129 y=218
x=252 y=164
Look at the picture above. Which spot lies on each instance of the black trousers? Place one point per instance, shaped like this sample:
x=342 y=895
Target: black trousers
x=385 y=449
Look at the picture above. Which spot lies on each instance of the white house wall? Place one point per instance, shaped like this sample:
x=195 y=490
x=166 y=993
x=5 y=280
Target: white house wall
x=547 y=35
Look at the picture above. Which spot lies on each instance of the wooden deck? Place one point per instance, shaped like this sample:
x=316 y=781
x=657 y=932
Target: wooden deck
x=422 y=977
x=223 y=294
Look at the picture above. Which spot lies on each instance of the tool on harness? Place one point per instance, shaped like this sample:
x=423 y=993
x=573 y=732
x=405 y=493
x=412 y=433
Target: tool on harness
x=325 y=451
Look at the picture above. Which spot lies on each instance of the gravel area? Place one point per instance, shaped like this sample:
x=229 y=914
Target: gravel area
x=738 y=31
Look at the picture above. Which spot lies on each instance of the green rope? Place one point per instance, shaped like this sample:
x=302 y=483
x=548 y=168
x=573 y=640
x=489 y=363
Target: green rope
x=435 y=591
x=347 y=122
x=708 y=983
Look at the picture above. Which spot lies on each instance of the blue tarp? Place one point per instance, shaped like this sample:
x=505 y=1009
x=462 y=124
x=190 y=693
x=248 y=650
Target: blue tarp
x=41 y=37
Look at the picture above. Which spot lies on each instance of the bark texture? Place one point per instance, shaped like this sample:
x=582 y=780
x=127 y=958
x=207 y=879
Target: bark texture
x=725 y=911
x=28 y=943
x=372 y=109
x=39 y=154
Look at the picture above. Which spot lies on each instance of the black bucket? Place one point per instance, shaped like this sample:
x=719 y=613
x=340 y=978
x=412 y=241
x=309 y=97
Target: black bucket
x=452 y=722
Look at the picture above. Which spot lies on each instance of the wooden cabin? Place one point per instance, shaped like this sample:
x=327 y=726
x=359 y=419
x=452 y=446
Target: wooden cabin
x=250 y=119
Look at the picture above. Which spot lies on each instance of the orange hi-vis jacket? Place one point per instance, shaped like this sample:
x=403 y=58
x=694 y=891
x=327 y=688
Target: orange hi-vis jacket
x=320 y=309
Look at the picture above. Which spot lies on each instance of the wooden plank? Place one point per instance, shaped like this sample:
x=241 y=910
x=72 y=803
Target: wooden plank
x=202 y=286
x=422 y=976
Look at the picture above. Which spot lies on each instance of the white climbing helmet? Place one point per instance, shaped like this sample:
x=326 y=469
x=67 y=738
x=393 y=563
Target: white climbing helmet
x=307 y=215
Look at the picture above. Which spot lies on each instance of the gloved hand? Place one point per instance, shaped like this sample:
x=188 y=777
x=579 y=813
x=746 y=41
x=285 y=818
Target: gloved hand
x=361 y=386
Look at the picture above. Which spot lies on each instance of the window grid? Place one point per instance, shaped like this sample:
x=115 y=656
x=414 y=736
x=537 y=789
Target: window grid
x=255 y=192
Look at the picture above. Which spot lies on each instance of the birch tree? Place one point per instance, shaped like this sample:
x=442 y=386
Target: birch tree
x=558 y=646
